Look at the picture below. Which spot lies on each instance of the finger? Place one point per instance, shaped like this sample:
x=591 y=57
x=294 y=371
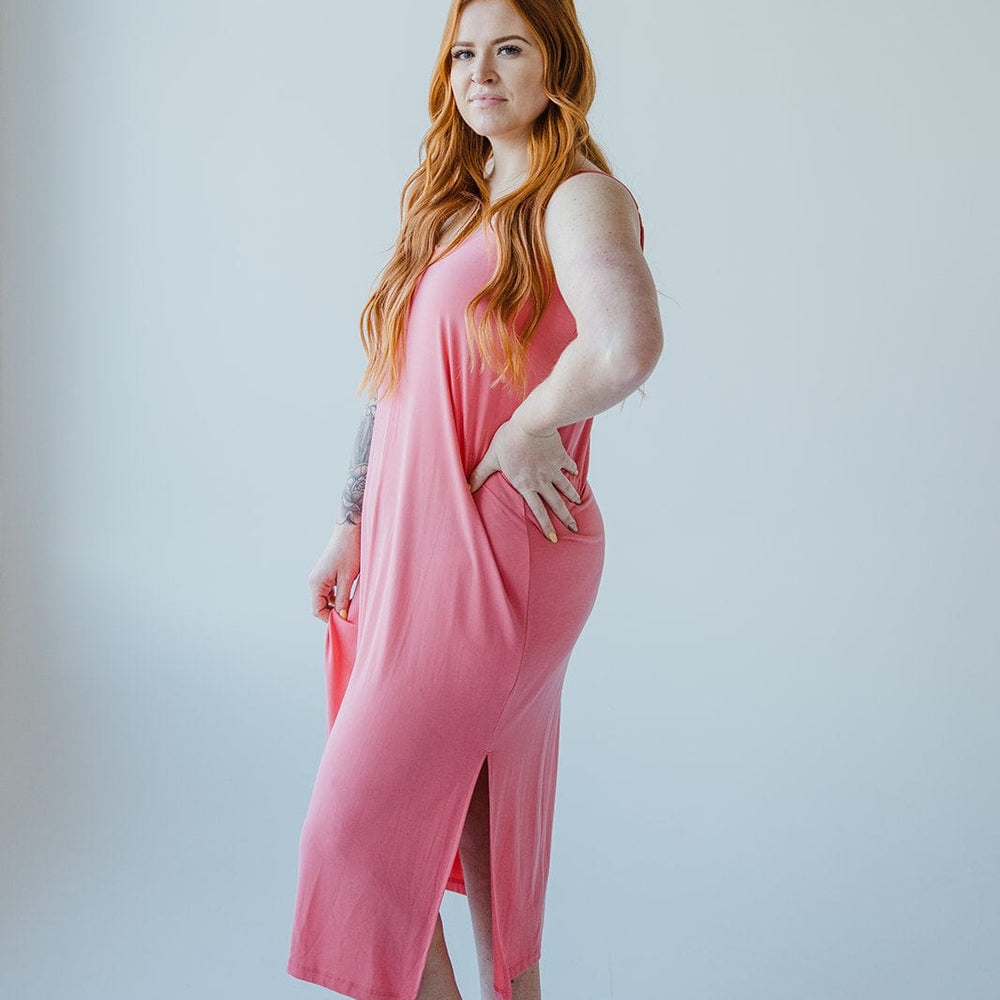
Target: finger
x=342 y=601
x=567 y=488
x=538 y=508
x=554 y=499
x=320 y=592
x=321 y=607
x=482 y=472
x=568 y=463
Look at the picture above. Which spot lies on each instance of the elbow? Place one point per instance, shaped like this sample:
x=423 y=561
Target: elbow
x=648 y=356
x=632 y=362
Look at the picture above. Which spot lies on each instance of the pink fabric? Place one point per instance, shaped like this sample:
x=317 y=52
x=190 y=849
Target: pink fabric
x=454 y=652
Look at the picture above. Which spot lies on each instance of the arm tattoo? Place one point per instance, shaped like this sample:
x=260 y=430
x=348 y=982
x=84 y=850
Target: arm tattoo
x=354 y=491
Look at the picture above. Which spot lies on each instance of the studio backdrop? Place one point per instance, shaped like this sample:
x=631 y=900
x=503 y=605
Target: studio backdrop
x=778 y=760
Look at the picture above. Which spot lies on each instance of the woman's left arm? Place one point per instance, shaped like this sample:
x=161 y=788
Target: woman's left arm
x=592 y=231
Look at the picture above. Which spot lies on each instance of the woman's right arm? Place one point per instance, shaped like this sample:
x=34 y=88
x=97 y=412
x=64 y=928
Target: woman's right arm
x=337 y=568
x=354 y=491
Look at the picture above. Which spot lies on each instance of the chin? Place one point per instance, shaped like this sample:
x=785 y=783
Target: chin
x=484 y=130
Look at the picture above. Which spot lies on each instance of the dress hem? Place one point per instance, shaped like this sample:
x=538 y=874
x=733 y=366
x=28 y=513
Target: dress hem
x=520 y=967
x=358 y=992
x=340 y=985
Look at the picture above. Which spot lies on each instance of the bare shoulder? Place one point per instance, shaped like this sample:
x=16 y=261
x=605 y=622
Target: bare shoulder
x=591 y=213
x=592 y=230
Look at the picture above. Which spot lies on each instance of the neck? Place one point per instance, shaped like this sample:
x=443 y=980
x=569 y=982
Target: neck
x=510 y=167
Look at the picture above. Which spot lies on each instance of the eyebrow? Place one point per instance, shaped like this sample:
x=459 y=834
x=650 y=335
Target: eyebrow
x=496 y=41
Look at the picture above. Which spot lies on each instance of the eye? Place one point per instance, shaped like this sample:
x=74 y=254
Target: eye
x=458 y=53
x=514 y=49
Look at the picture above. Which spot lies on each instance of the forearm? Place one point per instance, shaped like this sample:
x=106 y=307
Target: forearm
x=354 y=490
x=586 y=380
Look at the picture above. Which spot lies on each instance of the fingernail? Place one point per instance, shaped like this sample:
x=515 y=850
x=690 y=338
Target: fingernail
x=553 y=537
x=572 y=526
x=343 y=613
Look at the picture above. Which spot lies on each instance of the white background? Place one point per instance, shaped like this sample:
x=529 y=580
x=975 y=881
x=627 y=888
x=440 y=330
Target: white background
x=778 y=773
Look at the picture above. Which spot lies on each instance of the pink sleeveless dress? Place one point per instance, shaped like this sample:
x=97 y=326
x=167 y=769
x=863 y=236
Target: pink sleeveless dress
x=453 y=653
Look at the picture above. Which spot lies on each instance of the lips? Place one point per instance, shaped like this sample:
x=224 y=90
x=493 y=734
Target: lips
x=486 y=99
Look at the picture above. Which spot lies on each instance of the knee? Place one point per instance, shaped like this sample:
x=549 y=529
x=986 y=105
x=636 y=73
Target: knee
x=328 y=836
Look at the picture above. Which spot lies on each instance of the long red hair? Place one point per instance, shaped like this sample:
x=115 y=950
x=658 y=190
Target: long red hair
x=449 y=183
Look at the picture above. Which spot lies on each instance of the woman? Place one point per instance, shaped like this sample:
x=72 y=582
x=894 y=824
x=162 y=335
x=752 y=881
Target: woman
x=516 y=306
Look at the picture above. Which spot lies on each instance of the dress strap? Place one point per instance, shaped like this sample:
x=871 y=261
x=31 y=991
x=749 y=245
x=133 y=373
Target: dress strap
x=642 y=231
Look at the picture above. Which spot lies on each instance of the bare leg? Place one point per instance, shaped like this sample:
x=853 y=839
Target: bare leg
x=438 y=980
x=527 y=986
x=474 y=850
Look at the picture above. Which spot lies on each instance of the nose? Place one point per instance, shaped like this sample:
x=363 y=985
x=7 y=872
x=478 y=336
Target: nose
x=483 y=72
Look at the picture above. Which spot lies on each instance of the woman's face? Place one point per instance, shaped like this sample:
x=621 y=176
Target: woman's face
x=496 y=71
